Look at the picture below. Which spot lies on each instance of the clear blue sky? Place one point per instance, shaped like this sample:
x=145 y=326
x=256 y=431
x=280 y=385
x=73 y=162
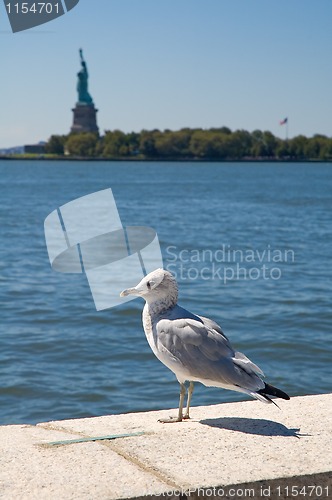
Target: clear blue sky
x=245 y=64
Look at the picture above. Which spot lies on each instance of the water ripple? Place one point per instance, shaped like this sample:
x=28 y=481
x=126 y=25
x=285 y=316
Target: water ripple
x=60 y=358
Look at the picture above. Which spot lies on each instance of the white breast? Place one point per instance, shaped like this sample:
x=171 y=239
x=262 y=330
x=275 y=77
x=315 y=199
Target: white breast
x=160 y=351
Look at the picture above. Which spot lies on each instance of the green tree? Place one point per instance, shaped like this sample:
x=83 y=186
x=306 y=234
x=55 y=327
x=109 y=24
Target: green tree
x=56 y=144
x=215 y=143
x=317 y=147
x=115 y=144
x=257 y=146
x=264 y=144
x=326 y=149
x=297 y=146
x=172 y=144
x=197 y=145
x=133 y=142
x=147 y=143
x=239 y=144
x=221 y=130
x=83 y=144
x=210 y=144
x=271 y=144
x=282 y=150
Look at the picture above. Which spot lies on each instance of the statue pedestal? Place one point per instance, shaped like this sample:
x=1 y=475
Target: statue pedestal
x=85 y=118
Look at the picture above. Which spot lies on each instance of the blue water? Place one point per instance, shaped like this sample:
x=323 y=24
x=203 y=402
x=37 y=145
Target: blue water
x=60 y=358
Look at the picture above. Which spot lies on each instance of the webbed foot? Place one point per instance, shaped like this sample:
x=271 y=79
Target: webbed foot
x=170 y=420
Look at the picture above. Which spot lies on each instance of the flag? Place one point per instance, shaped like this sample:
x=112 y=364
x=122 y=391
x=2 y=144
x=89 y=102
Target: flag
x=282 y=122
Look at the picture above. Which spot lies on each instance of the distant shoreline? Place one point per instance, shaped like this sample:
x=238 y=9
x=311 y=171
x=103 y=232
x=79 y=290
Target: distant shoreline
x=161 y=160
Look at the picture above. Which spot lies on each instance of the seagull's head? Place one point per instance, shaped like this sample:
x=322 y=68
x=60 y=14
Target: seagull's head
x=160 y=285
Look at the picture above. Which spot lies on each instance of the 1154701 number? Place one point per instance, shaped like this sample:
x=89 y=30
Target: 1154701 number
x=314 y=492
x=35 y=8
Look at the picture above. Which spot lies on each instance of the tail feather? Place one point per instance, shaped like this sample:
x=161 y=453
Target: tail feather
x=269 y=390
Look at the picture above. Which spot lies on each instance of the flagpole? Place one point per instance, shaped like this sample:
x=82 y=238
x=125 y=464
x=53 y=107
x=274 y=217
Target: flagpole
x=287 y=129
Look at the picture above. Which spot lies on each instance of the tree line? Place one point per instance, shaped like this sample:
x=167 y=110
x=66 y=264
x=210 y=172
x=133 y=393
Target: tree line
x=205 y=144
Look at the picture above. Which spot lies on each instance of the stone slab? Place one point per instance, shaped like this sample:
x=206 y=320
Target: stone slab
x=222 y=445
x=31 y=470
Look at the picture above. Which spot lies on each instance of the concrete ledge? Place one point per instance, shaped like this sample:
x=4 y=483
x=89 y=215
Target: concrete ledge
x=230 y=450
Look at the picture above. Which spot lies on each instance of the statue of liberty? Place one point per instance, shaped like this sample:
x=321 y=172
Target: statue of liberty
x=85 y=113
x=82 y=84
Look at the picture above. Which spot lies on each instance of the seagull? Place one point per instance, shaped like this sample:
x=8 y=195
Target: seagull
x=193 y=347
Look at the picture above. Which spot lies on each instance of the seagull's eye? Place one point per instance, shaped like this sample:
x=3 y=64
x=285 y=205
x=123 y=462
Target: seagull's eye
x=148 y=285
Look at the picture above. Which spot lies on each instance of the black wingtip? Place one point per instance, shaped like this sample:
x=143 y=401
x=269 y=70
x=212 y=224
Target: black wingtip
x=273 y=391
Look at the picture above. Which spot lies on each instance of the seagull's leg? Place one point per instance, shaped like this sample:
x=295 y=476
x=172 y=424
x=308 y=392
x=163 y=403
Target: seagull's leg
x=190 y=393
x=179 y=417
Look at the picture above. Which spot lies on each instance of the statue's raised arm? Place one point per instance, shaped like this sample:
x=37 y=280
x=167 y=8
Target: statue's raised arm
x=82 y=83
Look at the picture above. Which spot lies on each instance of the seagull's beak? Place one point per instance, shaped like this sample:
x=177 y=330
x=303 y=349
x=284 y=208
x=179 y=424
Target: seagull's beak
x=137 y=290
x=129 y=291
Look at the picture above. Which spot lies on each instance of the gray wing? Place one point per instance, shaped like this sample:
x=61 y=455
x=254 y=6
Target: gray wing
x=204 y=351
